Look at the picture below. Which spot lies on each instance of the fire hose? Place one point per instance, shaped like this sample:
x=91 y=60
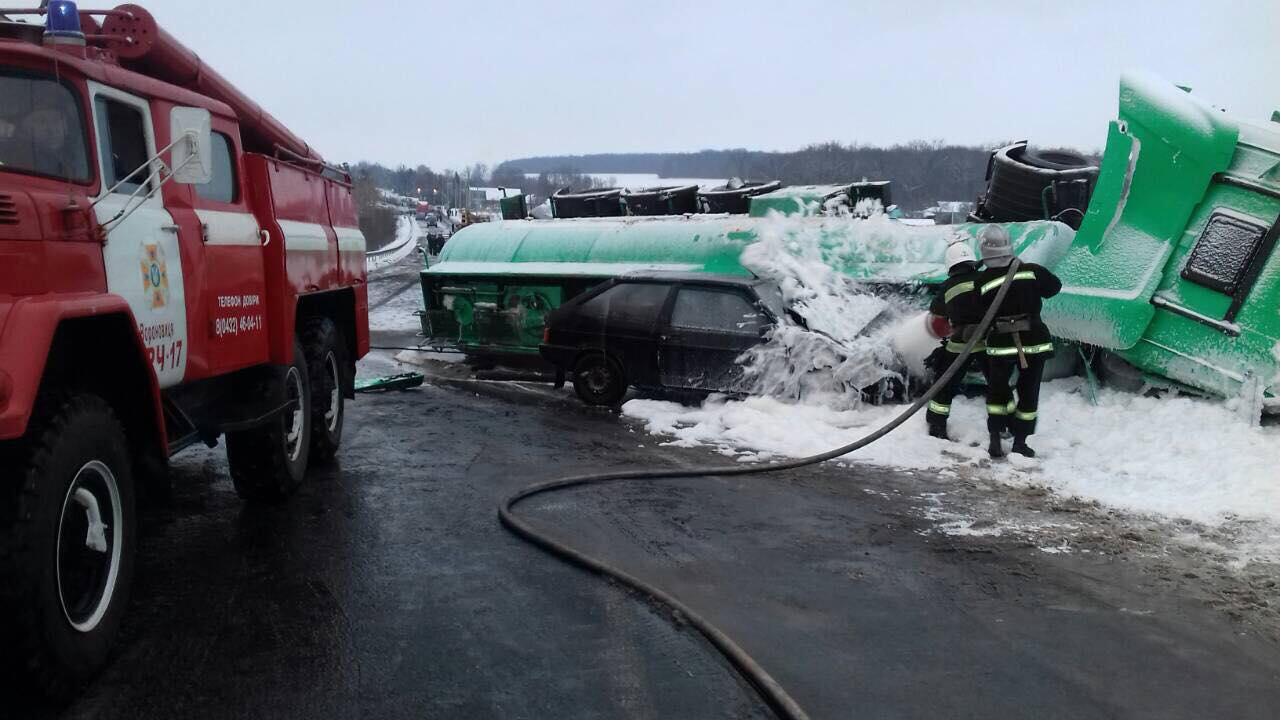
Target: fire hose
x=770 y=691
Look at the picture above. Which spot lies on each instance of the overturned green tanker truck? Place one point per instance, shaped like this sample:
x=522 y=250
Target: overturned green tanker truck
x=1172 y=279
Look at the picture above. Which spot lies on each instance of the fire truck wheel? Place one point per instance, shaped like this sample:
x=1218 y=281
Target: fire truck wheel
x=325 y=361
x=70 y=546
x=269 y=462
x=599 y=380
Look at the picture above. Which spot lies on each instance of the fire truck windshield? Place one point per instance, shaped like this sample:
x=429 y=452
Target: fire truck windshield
x=41 y=128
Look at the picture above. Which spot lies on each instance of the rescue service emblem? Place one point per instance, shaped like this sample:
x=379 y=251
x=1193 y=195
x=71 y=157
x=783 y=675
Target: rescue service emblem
x=155 y=276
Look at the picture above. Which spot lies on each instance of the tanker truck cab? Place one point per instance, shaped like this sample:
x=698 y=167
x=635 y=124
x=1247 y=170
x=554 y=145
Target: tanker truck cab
x=175 y=267
x=1175 y=271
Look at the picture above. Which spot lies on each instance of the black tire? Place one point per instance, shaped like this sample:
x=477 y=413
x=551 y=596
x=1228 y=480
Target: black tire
x=599 y=380
x=268 y=463
x=1019 y=190
x=1054 y=159
x=64 y=578
x=326 y=363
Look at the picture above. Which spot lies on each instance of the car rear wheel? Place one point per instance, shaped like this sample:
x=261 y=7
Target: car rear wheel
x=599 y=380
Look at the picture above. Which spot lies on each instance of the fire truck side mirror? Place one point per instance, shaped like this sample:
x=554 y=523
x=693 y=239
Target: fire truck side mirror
x=192 y=160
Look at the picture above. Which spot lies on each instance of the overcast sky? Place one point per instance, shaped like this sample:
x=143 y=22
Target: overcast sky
x=448 y=83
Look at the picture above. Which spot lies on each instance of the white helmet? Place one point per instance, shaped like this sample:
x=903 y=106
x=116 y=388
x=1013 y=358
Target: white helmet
x=960 y=252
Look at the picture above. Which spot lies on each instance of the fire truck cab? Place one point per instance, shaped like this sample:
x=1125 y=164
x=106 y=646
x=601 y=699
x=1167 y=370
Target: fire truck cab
x=175 y=267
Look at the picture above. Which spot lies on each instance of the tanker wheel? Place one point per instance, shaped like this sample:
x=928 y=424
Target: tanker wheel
x=599 y=380
x=326 y=358
x=269 y=462
x=68 y=547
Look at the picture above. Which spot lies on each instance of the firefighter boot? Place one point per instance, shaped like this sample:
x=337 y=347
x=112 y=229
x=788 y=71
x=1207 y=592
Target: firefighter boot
x=1021 y=447
x=938 y=429
x=995 y=450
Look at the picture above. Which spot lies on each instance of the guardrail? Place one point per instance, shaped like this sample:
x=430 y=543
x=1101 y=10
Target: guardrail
x=397 y=250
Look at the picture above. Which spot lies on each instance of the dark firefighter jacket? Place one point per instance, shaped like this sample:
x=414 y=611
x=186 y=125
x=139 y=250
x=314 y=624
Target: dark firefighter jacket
x=959 y=301
x=1032 y=284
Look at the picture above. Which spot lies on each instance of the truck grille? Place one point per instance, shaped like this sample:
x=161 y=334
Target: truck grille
x=8 y=210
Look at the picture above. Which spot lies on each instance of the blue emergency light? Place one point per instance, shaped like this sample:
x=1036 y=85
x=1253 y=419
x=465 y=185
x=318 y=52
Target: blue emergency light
x=62 y=21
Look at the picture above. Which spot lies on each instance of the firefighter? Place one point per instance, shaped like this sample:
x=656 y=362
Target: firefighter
x=959 y=302
x=1018 y=341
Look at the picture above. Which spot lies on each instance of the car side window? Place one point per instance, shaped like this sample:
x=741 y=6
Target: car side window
x=627 y=304
x=222 y=185
x=123 y=143
x=1223 y=253
x=715 y=310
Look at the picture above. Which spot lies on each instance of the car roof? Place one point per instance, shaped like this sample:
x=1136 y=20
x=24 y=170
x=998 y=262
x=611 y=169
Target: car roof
x=694 y=278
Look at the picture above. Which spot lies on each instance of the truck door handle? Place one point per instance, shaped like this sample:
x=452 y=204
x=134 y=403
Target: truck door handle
x=170 y=228
x=266 y=236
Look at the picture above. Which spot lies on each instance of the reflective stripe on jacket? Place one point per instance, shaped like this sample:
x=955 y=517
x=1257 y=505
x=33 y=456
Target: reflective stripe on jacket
x=1029 y=287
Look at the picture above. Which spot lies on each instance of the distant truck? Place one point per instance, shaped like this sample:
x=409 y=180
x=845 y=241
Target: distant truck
x=175 y=267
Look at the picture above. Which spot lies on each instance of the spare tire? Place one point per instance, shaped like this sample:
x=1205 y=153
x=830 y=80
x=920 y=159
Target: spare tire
x=1019 y=190
x=1054 y=159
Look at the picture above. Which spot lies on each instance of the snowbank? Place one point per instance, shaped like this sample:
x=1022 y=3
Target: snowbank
x=1176 y=457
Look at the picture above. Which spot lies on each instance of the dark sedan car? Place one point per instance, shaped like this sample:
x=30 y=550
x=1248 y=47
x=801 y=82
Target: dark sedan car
x=676 y=331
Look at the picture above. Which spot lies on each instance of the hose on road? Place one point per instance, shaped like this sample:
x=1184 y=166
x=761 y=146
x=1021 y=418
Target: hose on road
x=769 y=689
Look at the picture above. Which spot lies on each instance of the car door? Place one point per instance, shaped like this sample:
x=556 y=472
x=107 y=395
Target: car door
x=141 y=254
x=623 y=322
x=620 y=321
x=708 y=329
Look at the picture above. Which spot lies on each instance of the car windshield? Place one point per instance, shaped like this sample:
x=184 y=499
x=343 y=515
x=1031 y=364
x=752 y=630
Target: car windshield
x=41 y=128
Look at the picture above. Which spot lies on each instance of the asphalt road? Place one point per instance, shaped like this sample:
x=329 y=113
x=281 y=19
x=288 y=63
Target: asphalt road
x=387 y=589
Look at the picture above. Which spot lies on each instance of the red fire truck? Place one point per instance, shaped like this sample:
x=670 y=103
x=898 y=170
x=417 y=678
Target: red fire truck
x=176 y=267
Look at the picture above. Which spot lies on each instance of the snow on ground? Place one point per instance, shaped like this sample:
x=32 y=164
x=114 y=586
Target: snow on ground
x=393 y=307
x=1172 y=457
x=394 y=291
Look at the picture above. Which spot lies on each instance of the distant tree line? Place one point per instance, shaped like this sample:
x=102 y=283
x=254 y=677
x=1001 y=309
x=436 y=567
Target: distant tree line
x=448 y=188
